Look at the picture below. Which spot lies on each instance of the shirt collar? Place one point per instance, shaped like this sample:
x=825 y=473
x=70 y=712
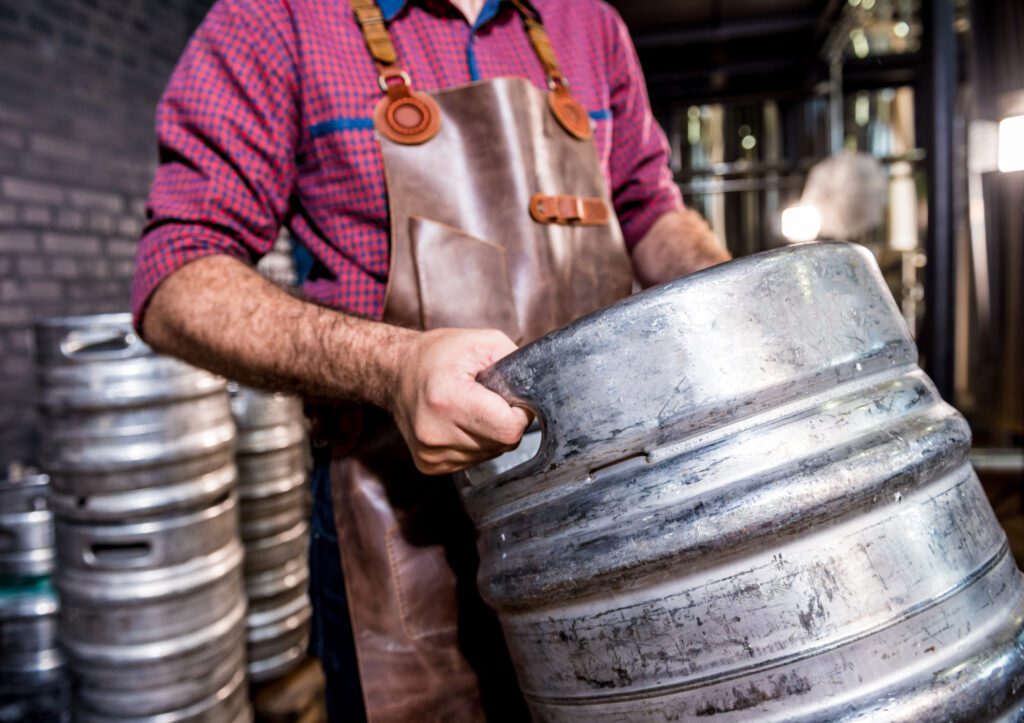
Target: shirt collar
x=391 y=8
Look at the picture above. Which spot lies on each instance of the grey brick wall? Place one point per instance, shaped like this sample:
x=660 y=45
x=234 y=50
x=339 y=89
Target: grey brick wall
x=79 y=80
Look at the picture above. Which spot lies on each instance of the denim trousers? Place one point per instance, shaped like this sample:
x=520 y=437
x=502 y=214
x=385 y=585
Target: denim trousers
x=331 y=639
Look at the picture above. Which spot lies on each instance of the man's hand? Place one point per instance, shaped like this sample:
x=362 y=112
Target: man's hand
x=449 y=420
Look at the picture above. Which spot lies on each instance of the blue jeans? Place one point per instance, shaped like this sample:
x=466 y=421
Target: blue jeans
x=331 y=634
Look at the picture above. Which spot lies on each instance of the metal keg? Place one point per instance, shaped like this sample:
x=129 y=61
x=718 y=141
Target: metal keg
x=273 y=459
x=26 y=526
x=229 y=704
x=153 y=615
x=33 y=684
x=125 y=431
x=747 y=502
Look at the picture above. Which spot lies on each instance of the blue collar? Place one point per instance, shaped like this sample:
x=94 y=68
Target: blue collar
x=391 y=8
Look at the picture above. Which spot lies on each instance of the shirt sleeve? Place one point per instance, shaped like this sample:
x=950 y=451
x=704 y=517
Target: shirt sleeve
x=642 y=185
x=227 y=129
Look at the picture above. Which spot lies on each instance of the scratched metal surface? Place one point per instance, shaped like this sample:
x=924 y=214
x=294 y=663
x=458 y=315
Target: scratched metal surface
x=747 y=503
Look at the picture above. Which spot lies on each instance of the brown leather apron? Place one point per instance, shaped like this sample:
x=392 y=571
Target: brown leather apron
x=500 y=218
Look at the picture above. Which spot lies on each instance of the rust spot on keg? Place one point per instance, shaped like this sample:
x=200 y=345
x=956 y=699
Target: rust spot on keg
x=752 y=695
x=595 y=682
x=814 y=610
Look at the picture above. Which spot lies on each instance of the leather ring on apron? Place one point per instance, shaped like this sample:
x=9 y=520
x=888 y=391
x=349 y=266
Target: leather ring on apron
x=572 y=116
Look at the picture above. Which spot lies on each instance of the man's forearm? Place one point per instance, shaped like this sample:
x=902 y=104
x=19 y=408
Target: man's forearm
x=219 y=314
x=679 y=243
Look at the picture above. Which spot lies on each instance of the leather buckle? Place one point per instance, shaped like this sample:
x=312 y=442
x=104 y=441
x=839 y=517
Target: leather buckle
x=568 y=210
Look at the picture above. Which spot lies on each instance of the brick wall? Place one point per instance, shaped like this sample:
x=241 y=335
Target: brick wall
x=78 y=83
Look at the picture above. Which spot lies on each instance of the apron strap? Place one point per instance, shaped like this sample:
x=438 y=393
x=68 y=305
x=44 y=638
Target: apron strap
x=375 y=32
x=402 y=115
x=396 y=83
x=541 y=44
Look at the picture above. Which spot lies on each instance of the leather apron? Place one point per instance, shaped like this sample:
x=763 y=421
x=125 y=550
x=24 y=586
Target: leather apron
x=500 y=218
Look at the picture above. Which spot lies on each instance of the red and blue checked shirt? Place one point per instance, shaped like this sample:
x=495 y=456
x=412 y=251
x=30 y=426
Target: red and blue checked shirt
x=266 y=121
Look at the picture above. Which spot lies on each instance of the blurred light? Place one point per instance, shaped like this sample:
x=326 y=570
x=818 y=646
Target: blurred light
x=744 y=130
x=862 y=108
x=860 y=42
x=982 y=146
x=748 y=142
x=1011 y=144
x=902 y=208
x=693 y=125
x=801 y=223
x=854 y=3
x=867 y=4
x=901 y=29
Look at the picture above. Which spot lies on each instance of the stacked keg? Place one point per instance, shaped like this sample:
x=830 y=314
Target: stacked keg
x=139 y=449
x=272 y=458
x=32 y=682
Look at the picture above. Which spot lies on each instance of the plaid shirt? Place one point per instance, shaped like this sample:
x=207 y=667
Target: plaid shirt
x=266 y=121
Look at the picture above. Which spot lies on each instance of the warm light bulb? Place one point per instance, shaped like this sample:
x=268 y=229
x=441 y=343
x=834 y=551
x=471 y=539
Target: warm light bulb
x=801 y=223
x=1011 y=144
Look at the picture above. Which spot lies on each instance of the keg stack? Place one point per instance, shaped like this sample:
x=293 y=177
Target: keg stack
x=139 y=449
x=272 y=458
x=33 y=686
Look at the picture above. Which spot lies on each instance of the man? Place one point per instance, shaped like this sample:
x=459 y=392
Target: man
x=499 y=190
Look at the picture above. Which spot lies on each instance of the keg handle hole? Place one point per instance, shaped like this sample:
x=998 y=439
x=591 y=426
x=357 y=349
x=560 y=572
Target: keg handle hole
x=99 y=344
x=118 y=553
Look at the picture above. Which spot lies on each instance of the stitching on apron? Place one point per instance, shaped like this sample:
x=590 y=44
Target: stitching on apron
x=414 y=633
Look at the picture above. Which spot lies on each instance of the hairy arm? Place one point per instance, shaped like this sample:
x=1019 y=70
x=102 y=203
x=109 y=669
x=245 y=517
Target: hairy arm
x=679 y=243
x=217 y=313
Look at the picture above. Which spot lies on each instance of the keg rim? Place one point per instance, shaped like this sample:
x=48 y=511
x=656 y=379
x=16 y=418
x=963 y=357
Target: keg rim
x=145 y=502
x=299 y=606
x=155 y=584
x=75 y=320
x=123 y=654
x=231 y=695
x=263 y=669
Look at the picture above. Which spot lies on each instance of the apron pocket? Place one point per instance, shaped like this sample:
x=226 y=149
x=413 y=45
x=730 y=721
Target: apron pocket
x=425 y=587
x=463 y=280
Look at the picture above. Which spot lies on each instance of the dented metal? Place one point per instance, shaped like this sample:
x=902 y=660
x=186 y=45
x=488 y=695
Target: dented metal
x=747 y=503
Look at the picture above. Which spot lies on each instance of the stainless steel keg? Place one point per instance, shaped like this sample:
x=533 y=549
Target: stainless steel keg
x=228 y=704
x=747 y=502
x=33 y=685
x=26 y=526
x=153 y=612
x=272 y=459
x=29 y=654
x=127 y=432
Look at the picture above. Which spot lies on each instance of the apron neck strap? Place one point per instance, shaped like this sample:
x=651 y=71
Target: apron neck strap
x=375 y=32
x=382 y=50
x=541 y=44
x=396 y=84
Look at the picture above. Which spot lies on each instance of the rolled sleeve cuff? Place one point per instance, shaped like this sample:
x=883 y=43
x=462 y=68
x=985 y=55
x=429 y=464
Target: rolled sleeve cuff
x=166 y=248
x=637 y=221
